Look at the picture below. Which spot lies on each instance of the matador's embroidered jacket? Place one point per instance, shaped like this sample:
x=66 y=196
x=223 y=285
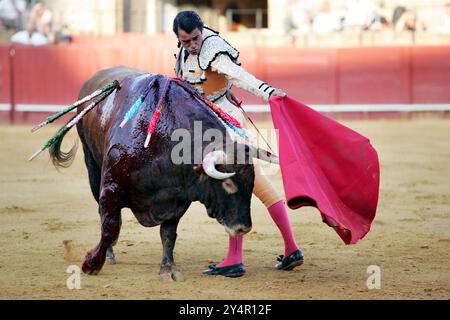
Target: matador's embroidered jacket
x=216 y=69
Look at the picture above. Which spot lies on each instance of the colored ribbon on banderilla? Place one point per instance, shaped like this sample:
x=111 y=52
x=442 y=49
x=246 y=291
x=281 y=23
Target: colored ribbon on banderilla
x=223 y=116
x=137 y=105
x=102 y=94
x=152 y=127
x=131 y=113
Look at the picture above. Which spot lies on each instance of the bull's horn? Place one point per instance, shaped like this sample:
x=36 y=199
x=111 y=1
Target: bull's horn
x=209 y=165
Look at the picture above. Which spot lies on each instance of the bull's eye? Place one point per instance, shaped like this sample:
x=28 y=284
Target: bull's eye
x=229 y=186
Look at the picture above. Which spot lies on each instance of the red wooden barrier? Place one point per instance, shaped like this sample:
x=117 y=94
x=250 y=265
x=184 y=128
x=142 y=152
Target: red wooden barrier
x=308 y=75
x=5 y=88
x=53 y=75
x=374 y=75
x=5 y=84
x=47 y=75
x=430 y=68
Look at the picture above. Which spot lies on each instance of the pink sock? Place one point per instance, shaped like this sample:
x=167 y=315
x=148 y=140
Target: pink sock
x=234 y=252
x=280 y=217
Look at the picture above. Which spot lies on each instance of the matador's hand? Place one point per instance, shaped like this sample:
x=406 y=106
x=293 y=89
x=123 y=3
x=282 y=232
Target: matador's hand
x=278 y=93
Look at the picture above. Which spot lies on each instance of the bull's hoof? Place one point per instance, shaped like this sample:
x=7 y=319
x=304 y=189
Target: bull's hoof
x=110 y=256
x=92 y=264
x=171 y=276
x=166 y=277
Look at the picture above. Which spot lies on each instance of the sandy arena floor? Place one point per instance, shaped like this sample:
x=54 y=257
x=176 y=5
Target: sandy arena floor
x=48 y=220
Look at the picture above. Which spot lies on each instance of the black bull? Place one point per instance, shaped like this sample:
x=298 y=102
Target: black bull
x=124 y=174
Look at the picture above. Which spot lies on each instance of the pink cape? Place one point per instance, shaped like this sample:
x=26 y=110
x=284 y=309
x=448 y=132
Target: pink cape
x=327 y=165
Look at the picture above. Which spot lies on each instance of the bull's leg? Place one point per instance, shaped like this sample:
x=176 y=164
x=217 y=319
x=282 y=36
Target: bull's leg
x=110 y=256
x=168 y=232
x=94 y=174
x=94 y=171
x=109 y=209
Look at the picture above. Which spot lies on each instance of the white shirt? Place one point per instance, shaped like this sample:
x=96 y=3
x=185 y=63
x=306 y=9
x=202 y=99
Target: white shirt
x=360 y=12
x=446 y=27
x=326 y=22
x=7 y=10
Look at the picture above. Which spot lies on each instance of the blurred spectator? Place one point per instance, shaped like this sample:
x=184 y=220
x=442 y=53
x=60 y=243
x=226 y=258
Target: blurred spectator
x=39 y=27
x=299 y=16
x=362 y=15
x=235 y=16
x=327 y=20
x=41 y=19
x=63 y=35
x=11 y=13
x=398 y=12
x=446 y=27
x=381 y=23
x=406 y=20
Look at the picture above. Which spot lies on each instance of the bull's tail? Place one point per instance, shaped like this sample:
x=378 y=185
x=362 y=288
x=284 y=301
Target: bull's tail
x=61 y=159
x=58 y=157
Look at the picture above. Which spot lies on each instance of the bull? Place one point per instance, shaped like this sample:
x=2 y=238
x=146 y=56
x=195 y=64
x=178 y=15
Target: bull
x=125 y=174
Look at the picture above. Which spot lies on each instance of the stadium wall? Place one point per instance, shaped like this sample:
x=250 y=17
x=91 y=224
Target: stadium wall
x=385 y=80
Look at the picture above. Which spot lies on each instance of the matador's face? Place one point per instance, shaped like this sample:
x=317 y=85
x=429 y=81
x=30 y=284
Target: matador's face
x=191 y=41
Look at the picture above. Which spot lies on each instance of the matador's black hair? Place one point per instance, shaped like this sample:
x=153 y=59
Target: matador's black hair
x=187 y=21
